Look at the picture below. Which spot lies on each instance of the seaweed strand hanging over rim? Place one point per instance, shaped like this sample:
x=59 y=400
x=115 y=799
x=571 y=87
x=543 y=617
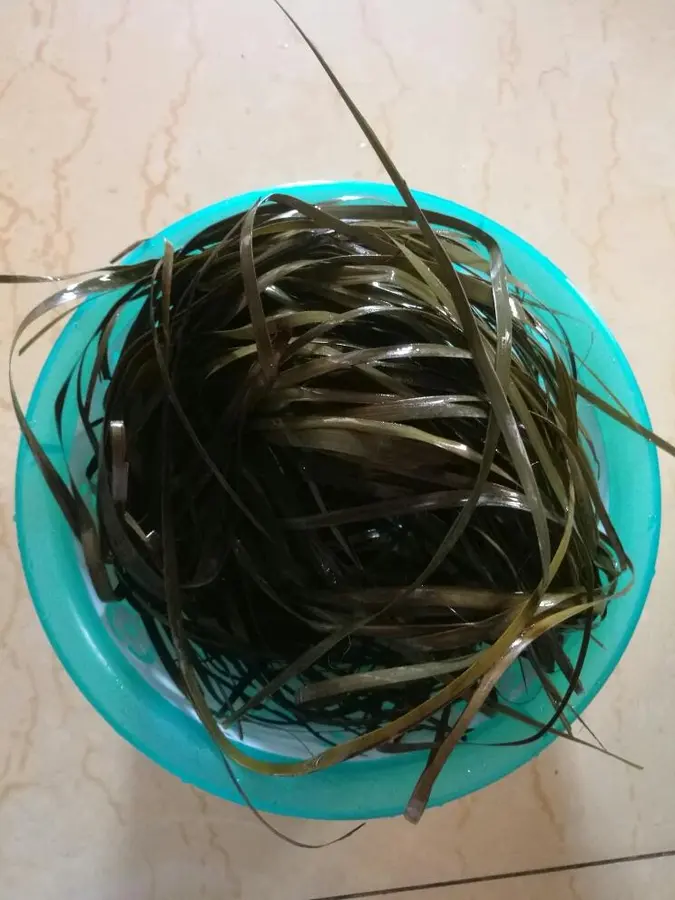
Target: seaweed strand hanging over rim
x=336 y=464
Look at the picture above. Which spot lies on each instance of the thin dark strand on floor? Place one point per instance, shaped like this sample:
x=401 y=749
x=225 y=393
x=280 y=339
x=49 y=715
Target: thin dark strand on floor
x=502 y=876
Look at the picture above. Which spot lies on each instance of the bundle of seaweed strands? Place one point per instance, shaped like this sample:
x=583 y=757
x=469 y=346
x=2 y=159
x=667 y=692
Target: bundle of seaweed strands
x=342 y=477
x=338 y=469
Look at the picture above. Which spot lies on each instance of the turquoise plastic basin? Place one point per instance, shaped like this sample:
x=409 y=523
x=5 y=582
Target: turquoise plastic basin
x=106 y=652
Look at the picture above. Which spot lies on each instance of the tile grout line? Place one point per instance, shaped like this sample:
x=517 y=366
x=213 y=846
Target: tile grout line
x=503 y=876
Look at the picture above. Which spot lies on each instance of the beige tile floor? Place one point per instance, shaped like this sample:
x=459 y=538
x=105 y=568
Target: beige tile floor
x=557 y=118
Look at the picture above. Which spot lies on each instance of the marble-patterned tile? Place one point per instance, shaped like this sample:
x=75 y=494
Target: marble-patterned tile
x=557 y=119
x=629 y=881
